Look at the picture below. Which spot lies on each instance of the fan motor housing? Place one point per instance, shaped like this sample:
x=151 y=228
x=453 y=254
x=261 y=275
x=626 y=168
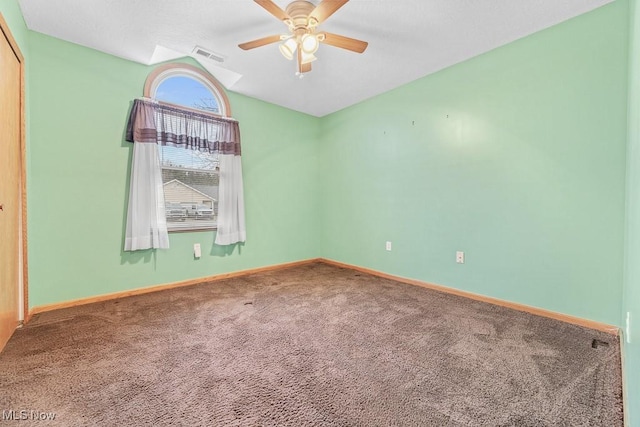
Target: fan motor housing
x=299 y=11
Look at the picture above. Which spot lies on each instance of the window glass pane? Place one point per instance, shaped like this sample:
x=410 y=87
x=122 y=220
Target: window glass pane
x=190 y=181
x=182 y=90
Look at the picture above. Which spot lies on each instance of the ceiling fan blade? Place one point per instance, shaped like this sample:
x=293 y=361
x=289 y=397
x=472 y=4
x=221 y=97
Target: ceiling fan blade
x=325 y=9
x=259 y=42
x=344 y=42
x=273 y=9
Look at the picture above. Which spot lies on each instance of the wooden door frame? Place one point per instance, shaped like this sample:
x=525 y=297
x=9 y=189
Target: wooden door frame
x=22 y=253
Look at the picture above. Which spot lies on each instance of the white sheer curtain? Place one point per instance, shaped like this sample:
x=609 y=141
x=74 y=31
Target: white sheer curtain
x=231 y=227
x=152 y=124
x=146 y=221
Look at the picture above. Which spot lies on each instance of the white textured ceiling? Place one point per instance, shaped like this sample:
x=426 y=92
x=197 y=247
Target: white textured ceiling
x=407 y=39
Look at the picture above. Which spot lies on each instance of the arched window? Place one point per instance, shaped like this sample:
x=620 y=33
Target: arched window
x=190 y=177
x=189 y=87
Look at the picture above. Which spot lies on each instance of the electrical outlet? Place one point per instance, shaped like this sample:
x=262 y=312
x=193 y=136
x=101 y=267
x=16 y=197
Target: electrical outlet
x=387 y=246
x=197 y=252
x=460 y=257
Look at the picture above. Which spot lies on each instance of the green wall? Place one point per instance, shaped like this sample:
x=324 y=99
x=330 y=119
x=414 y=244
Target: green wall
x=79 y=180
x=516 y=157
x=631 y=301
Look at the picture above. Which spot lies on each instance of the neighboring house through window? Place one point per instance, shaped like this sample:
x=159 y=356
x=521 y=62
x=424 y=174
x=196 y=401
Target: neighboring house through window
x=190 y=177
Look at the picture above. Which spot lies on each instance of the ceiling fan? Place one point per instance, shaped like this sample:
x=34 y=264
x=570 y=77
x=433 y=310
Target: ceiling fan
x=302 y=18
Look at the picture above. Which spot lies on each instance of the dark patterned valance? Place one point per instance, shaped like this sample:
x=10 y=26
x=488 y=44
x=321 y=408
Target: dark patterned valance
x=166 y=125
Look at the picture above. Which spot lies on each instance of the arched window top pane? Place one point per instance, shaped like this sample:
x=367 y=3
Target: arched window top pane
x=187 y=86
x=188 y=92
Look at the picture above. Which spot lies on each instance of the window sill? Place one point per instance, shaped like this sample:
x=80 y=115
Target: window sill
x=192 y=225
x=189 y=230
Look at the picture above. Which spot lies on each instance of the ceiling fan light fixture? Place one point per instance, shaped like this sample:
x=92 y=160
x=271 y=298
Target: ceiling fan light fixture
x=309 y=44
x=307 y=57
x=288 y=48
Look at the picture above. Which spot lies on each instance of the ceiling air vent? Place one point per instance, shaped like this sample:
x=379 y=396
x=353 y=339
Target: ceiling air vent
x=200 y=51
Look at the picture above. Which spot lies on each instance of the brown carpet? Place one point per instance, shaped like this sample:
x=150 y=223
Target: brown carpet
x=306 y=346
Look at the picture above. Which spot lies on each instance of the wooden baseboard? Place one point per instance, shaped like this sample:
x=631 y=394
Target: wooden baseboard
x=614 y=330
x=139 y=291
x=516 y=306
